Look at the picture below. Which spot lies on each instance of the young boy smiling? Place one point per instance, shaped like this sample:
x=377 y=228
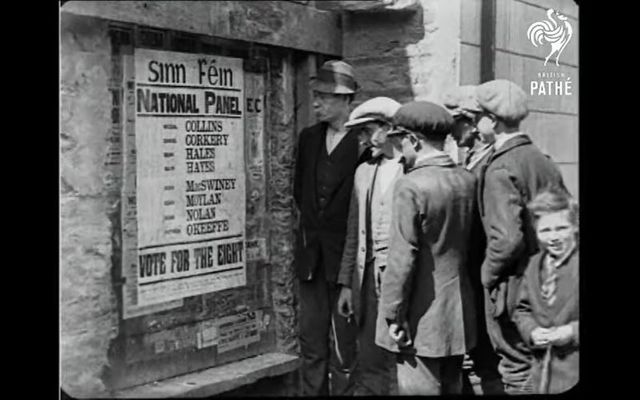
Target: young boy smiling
x=547 y=312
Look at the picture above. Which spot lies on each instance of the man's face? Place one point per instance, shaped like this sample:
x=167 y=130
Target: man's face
x=379 y=132
x=329 y=107
x=372 y=133
x=395 y=142
x=464 y=132
x=364 y=137
x=408 y=143
x=555 y=232
x=486 y=124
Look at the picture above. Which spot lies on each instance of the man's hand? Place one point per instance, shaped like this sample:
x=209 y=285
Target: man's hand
x=561 y=335
x=345 y=306
x=541 y=336
x=400 y=334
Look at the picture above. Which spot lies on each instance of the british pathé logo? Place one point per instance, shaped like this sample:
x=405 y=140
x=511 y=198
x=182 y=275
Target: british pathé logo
x=551 y=84
x=556 y=31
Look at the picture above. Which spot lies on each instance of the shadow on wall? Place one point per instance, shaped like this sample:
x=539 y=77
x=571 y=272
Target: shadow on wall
x=375 y=43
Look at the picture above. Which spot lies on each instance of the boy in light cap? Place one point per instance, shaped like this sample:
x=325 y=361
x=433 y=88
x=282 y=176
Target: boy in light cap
x=515 y=172
x=366 y=247
x=426 y=312
x=370 y=116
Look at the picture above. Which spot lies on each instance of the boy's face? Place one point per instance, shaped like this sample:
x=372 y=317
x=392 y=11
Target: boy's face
x=556 y=233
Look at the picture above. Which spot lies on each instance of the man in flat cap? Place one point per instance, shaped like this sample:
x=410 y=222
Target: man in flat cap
x=426 y=305
x=480 y=367
x=463 y=106
x=365 y=252
x=326 y=161
x=514 y=173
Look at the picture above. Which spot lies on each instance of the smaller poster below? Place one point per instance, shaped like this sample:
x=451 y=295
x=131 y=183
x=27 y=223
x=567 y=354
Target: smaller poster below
x=137 y=311
x=231 y=332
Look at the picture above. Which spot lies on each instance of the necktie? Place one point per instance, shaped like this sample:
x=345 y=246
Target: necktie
x=403 y=161
x=549 y=286
x=468 y=158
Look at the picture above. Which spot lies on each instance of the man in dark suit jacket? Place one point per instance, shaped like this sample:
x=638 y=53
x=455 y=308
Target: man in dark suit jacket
x=515 y=172
x=427 y=299
x=326 y=161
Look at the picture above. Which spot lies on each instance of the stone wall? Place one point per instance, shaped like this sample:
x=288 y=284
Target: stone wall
x=281 y=143
x=405 y=54
x=409 y=53
x=88 y=201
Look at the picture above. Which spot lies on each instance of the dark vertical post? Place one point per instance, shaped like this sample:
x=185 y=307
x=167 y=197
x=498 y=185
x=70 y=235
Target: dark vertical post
x=488 y=41
x=305 y=68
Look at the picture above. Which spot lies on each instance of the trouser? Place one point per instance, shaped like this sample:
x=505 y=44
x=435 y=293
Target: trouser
x=375 y=370
x=482 y=361
x=515 y=357
x=427 y=376
x=327 y=340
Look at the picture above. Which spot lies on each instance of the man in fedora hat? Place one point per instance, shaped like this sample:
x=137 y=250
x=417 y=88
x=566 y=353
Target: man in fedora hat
x=426 y=312
x=367 y=243
x=327 y=158
x=515 y=171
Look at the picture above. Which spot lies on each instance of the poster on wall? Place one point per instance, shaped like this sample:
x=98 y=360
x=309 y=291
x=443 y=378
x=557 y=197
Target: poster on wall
x=190 y=175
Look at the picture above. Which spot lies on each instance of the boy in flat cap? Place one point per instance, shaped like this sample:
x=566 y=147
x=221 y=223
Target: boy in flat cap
x=326 y=161
x=365 y=251
x=480 y=367
x=515 y=172
x=426 y=306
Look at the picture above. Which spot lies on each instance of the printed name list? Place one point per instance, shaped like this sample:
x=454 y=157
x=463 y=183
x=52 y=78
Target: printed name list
x=190 y=174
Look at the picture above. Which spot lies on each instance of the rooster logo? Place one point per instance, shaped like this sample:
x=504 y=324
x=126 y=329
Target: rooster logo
x=553 y=32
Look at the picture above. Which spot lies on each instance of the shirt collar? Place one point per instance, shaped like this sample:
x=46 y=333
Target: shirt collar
x=478 y=155
x=500 y=141
x=557 y=263
x=395 y=160
x=433 y=154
